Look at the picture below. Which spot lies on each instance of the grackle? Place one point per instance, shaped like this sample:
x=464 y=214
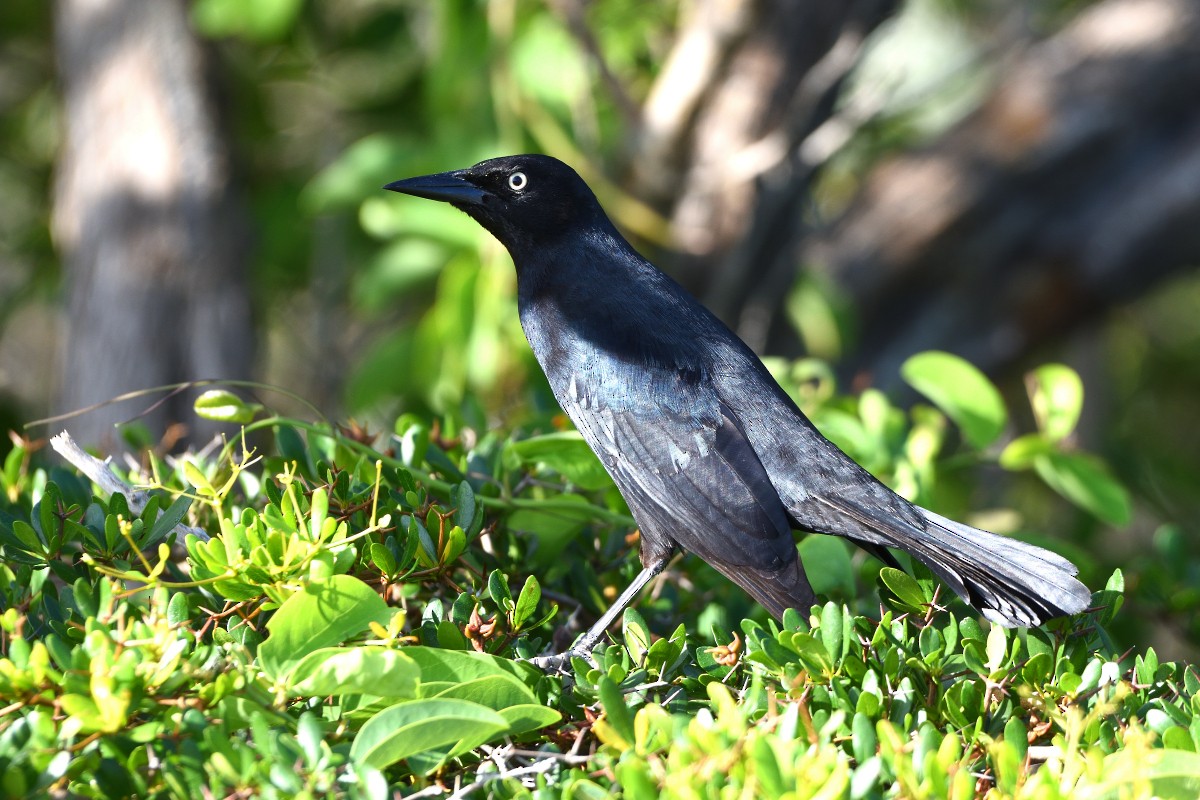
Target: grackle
x=710 y=453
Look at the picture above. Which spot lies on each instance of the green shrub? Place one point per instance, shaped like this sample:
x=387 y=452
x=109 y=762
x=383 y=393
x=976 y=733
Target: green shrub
x=355 y=625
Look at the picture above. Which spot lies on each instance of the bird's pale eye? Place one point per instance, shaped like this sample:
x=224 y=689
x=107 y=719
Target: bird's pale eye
x=517 y=181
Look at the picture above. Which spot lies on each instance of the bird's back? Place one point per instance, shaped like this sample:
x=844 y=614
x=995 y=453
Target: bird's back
x=630 y=357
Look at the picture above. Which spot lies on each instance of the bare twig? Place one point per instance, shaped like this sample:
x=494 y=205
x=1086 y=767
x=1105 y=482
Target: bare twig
x=545 y=763
x=572 y=13
x=101 y=474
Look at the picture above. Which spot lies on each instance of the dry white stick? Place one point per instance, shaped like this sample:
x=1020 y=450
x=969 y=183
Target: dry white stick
x=102 y=475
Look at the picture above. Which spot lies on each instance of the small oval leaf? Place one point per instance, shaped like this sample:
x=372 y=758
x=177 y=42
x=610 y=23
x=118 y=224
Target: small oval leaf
x=1084 y=481
x=221 y=405
x=1056 y=395
x=961 y=391
x=415 y=726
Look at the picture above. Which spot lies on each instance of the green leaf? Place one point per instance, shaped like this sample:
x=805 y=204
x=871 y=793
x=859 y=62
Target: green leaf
x=45 y=516
x=864 y=743
x=262 y=20
x=178 y=611
x=637 y=634
x=497 y=691
x=1022 y=452
x=528 y=717
x=291 y=447
x=1116 y=582
x=1162 y=773
x=415 y=726
x=1084 y=481
x=456 y=543
x=997 y=648
x=28 y=537
x=450 y=637
x=197 y=479
x=320 y=615
x=505 y=695
x=369 y=670
x=564 y=452
x=615 y=710
x=413 y=434
x=831 y=631
x=527 y=601
x=1056 y=394
x=318 y=510
x=464 y=502
x=827 y=561
x=382 y=558
x=555 y=527
x=460 y=666
x=813 y=654
x=548 y=64
x=905 y=588
x=499 y=592
x=167 y=521
x=961 y=391
x=220 y=405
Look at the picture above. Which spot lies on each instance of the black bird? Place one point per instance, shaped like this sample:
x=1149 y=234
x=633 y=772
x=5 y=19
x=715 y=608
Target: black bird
x=711 y=454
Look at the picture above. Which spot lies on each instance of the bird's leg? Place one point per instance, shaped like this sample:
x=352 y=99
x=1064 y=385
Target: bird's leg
x=587 y=643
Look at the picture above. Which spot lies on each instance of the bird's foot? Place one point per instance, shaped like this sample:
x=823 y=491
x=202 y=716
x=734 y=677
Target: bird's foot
x=561 y=662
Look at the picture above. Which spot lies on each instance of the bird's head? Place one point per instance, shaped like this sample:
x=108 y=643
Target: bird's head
x=524 y=201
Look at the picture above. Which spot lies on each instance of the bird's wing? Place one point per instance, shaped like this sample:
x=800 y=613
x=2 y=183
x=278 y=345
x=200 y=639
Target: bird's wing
x=691 y=478
x=825 y=491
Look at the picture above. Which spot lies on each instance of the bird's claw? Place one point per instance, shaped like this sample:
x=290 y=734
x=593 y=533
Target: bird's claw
x=560 y=663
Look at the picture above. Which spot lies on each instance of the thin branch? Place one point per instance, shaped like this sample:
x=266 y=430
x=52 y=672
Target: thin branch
x=101 y=474
x=572 y=13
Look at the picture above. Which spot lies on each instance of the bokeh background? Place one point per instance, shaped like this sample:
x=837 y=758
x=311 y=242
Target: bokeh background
x=191 y=190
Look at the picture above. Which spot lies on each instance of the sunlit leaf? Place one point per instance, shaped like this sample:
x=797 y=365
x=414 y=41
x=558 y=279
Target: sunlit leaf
x=1056 y=394
x=1083 y=480
x=567 y=454
x=261 y=20
x=321 y=615
x=220 y=405
x=961 y=391
x=355 y=670
x=415 y=726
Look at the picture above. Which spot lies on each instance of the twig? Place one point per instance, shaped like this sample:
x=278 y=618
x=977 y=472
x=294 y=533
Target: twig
x=102 y=475
x=542 y=765
x=572 y=13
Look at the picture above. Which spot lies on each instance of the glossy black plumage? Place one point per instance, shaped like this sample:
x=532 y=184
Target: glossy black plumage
x=711 y=455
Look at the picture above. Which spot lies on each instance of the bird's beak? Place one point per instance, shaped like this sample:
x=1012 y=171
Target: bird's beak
x=449 y=187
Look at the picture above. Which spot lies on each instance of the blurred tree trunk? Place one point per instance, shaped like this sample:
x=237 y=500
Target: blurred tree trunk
x=156 y=285
x=721 y=142
x=1074 y=188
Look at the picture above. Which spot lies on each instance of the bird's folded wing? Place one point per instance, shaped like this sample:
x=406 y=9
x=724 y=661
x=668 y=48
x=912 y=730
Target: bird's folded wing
x=691 y=478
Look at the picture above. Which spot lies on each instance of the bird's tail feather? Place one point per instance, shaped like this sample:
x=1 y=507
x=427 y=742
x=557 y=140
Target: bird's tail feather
x=775 y=591
x=1012 y=583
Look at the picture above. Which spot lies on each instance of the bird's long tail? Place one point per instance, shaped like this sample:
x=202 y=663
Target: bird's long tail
x=1012 y=583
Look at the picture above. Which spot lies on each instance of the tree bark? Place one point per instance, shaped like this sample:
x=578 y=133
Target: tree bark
x=1073 y=189
x=144 y=217
x=719 y=148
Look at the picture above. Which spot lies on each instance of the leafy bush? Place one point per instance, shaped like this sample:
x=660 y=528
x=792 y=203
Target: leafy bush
x=355 y=627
